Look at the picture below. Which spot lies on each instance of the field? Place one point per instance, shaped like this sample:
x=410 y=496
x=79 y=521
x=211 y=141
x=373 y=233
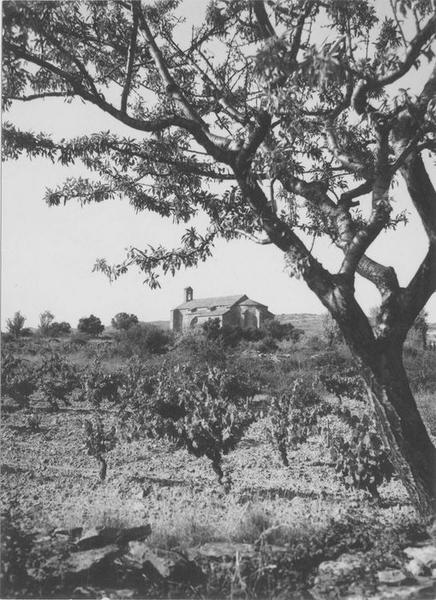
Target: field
x=275 y=532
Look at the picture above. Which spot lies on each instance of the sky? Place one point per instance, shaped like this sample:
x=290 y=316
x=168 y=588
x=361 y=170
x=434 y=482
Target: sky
x=48 y=253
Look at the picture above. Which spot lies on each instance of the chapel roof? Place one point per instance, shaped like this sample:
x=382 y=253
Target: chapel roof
x=227 y=301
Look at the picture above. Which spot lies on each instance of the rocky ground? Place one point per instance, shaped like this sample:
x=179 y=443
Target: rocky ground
x=162 y=527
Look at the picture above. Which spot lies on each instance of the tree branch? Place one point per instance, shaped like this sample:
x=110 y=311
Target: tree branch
x=371 y=84
x=422 y=193
x=130 y=56
x=381 y=207
x=422 y=286
x=217 y=146
x=31 y=97
x=265 y=26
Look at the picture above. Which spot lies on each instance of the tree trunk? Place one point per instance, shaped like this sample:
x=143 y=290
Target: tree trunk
x=402 y=429
x=103 y=467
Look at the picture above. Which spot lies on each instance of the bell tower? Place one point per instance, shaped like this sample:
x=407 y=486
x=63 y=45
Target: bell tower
x=189 y=294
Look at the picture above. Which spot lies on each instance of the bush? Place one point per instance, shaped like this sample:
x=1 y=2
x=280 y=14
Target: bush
x=90 y=325
x=124 y=321
x=59 y=329
x=294 y=413
x=361 y=459
x=268 y=344
x=17 y=379
x=359 y=456
x=56 y=379
x=143 y=340
x=98 y=385
x=194 y=347
x=280 y=331
x=205 y=410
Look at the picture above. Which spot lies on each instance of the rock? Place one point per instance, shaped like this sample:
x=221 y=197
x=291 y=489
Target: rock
x=426 y=555
x=220 y=550
x=160 y=564
x=433 y=573
x=121 y=594
x=83 y=592
x=83 y=561
x=392 y=577
x=416 y=567
x=73 y=533
x=96 y=538
x=340 y=568
x=424 y=591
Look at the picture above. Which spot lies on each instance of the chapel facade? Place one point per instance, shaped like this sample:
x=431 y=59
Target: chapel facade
x=237 y=310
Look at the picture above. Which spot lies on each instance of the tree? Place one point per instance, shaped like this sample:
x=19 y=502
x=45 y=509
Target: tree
x=45 y=322
x=15 y=326
x=302 y=117
x=58 y=329
x=90 y=325
x=49 y=327
x=123 y=320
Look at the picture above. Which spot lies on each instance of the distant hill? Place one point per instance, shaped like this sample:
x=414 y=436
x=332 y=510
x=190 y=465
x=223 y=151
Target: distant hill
x=310 y=323
x=165 y=325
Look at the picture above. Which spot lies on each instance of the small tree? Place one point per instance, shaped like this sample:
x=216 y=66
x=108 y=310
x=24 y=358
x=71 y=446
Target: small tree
x=124 y=321
x=90 y=325
x=45 y=322
x=15 y=326
x=99 y=441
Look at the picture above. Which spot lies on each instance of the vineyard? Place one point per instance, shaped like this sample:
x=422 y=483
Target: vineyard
x=208 y=471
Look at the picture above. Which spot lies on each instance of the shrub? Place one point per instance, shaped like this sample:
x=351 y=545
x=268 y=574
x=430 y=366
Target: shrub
x=361 y=460
x=347 y=384
x=59 y=329
x=90 y=325
x=205 y=410
x=294 y=413
x=33 y=422
x=331 y=331
x=124 y=321
x=268 y=344
x=193 y=347
x=143 y=340
x=280 y=331
x=97 y=385
x=79 y=339
x=17 y=379
x=56 y=379
x=99 y=441
x=359 y=456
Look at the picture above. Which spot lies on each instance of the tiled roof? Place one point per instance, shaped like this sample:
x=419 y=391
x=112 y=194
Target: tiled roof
x=215 y=301
x=249 y=302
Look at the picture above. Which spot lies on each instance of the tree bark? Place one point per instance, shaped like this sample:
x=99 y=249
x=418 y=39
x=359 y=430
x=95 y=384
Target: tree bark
x=400 y=424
